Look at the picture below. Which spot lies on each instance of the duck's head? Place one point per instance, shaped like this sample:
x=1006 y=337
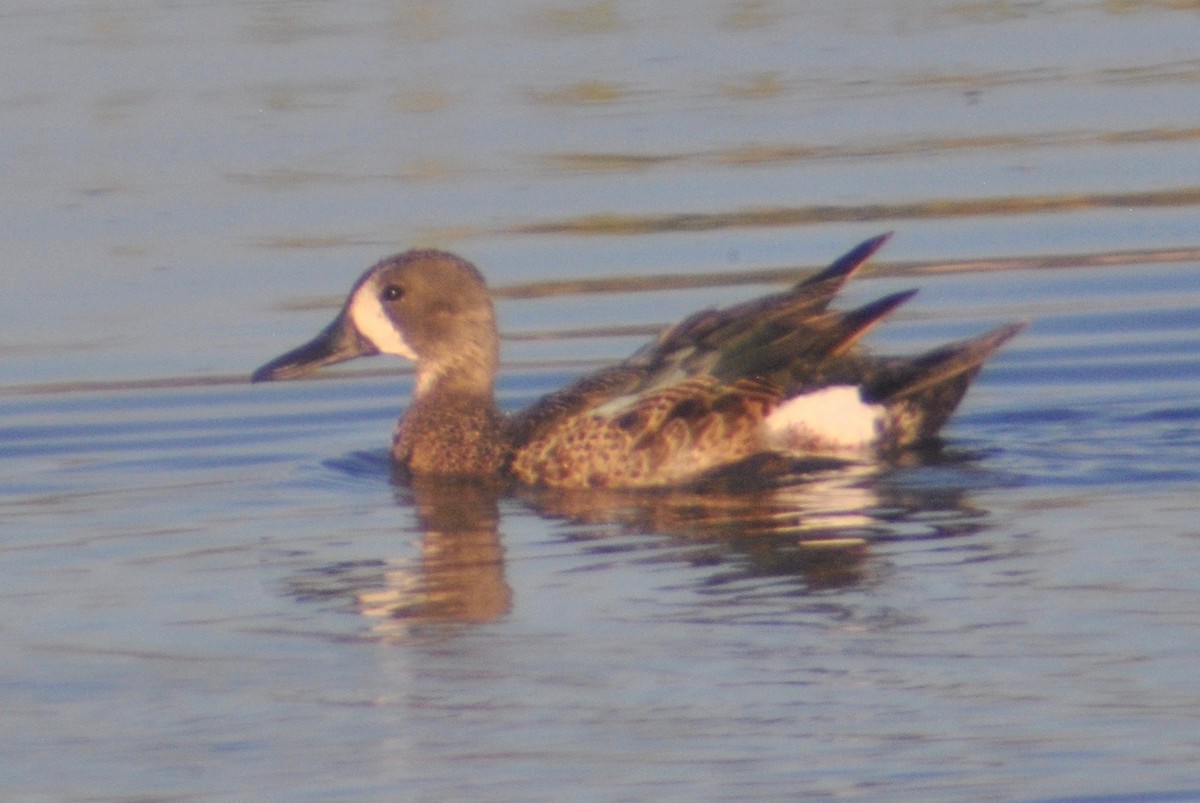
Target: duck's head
x=428 y=306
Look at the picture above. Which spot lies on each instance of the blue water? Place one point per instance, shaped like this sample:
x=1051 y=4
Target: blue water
x=213 y=590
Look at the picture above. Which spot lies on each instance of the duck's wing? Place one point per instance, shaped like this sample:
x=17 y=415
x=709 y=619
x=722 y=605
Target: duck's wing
x=726 y=344
x=795 y=355
x=585 y=393
x=693 y=343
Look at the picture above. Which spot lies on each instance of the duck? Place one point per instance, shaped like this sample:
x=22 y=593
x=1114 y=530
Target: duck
x=781 y=377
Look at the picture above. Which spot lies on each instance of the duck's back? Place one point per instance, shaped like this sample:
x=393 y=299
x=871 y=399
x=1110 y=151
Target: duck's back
x=778 y=375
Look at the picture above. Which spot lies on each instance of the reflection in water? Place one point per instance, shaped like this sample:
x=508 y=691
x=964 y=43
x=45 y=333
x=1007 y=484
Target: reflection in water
x=819 y=505
x=811 y=528
x=459 y=574
x=812 y=525
x=761 y=216
x=895 y=145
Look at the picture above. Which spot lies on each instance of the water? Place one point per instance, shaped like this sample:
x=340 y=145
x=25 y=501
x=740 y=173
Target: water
x=215 y=591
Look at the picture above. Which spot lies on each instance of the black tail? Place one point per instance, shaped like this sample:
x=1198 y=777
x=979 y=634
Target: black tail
x=921 y=392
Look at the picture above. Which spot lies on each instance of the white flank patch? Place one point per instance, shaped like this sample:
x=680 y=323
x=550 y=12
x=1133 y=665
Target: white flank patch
x=372 y=321
x=831 y=418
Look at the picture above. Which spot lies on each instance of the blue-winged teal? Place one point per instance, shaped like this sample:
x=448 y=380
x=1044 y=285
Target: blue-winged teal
x=779 y=375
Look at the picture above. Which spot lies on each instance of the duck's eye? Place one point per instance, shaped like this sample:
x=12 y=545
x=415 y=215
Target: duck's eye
x=392 y=292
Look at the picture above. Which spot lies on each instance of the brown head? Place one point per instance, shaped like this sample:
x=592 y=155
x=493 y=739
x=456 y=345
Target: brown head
x=428 y=306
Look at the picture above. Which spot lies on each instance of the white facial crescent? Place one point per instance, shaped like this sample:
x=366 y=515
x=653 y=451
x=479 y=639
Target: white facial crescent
x=371 y=320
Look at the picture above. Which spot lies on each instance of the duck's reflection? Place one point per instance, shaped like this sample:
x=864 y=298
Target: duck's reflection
x=459 y=574
x=811 y=526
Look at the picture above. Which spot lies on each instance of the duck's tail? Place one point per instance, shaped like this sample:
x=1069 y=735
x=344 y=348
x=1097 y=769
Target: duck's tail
x=920 y=393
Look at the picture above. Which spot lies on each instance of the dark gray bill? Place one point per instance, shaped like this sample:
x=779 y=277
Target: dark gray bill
x=337 y=342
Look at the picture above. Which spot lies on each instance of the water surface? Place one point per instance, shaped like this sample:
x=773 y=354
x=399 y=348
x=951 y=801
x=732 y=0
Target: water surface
x=216 y=591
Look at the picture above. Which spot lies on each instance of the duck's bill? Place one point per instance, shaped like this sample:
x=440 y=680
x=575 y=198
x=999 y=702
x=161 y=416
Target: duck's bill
x=338 y=342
